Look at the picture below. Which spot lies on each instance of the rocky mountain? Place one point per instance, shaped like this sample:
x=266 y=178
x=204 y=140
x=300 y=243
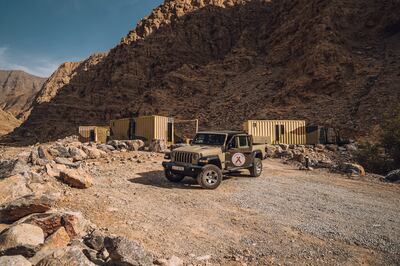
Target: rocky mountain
x=18 y=89
x=62 y=77
x=334 y=63
x=7 y=122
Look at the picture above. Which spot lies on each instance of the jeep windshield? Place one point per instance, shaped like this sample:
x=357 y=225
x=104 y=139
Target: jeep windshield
x=209 y=139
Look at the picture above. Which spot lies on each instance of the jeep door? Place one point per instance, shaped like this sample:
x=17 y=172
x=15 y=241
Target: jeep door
x=239 y=153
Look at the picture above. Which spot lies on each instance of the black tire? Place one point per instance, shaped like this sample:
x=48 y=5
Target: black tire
x=175 y=178
x=256 y=169
x=210 y=177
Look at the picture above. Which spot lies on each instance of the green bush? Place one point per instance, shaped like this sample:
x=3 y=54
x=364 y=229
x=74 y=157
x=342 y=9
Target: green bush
x=373 y=158
x=383 y=156
x=390 y=140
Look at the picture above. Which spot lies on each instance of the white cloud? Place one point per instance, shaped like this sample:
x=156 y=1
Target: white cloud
x=38 y=66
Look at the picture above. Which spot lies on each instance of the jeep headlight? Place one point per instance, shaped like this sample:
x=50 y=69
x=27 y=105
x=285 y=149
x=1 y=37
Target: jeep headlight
x=195 y=158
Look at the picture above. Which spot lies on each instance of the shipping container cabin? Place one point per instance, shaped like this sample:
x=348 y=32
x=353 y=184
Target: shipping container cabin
x=122 y=129
x=316 y=135
x=322 y=135
x=147 y=128
x=278 y=131
x=98 y=134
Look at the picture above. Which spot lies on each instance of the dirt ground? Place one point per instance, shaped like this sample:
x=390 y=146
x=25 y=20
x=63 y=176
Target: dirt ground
x=284 y=217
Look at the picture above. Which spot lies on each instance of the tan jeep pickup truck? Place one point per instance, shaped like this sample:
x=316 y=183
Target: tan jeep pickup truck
x=211 y=154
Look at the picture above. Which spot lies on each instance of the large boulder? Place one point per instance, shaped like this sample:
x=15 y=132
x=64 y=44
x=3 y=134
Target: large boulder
x=95 y=240
x=44 y=153
x=14 y=210
x=14 y=261
x=393 y=176
x=58 y=239
x=118 y=144
x=331 y=147
x=287 y=154
x=157 y=145
x=351 y=147
x=76 y=178
x=67 y=161
x=65 y=257
x=134 y=145
x=21 y=239
x=54 y=169
x=352 y=169
x=74 y=223
x=13 y=167
x=106 y=147
x=284 y=147
x=58 y=150
x=93 y=153
x=13 y=187
x=278 y=151
x=270 y=150
x=77 y=154
x=126 y=252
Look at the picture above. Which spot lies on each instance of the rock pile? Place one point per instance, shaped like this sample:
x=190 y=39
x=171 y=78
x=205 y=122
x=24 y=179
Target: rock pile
x=158 y=146
x=33 y=232
x=393 y=176
x=333 y=157
x=62 y=160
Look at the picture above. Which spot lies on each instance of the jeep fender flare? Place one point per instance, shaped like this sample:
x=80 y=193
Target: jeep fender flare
x=258 y=154
x=214 y=160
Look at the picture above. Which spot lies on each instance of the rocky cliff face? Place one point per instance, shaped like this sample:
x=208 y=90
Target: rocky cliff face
x=7 y=122
x=334 y=63
x=17 y=91
x=62 y=77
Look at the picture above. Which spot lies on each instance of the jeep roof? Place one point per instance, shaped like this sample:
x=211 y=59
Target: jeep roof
x=229 y=132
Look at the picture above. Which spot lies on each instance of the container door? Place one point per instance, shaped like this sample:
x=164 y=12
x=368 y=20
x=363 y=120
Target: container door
x=279 y=134
x=170 y=133
x=239 y=154
x=322 y=135
x=132 y=128
x=92 y=136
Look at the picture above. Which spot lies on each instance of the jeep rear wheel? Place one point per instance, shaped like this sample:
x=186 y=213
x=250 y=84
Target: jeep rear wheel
x=256 y=169
x=210 y=177
x=175 y=178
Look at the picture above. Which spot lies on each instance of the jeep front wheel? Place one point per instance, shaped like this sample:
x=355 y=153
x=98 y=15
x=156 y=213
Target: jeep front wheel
x=175 y=178
x=256 y=169
x=210 y=177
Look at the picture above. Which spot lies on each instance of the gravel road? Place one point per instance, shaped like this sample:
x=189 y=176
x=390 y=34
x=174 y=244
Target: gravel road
x=285 y=217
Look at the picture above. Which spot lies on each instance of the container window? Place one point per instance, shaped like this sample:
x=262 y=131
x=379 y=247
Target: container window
x=282 y=129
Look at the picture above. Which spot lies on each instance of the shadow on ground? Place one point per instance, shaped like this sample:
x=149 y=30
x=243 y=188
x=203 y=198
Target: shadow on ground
x=157 y=179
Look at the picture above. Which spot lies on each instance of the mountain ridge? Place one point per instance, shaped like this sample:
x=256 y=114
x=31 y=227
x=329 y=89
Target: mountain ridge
x=18 y=90
x=227 y=61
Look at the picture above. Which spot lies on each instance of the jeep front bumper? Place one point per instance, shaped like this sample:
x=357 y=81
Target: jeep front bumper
x=187 y=170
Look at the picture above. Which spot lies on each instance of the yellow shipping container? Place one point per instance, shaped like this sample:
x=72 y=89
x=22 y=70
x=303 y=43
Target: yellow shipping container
x=147 y=128
x=122 y=129
x=97 y=134
x=278 y=131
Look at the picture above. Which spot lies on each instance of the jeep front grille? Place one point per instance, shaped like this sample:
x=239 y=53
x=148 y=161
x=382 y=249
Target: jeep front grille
x=183 y=157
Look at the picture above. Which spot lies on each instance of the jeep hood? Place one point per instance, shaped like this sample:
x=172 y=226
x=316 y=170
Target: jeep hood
x=204 y=150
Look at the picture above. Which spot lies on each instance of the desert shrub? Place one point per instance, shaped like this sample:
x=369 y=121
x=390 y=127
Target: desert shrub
x=390 y=140
x=373 y=158
x=383 y=156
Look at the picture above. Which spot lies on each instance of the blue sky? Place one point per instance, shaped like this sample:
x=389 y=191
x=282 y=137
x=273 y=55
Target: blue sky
x=38 y=35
